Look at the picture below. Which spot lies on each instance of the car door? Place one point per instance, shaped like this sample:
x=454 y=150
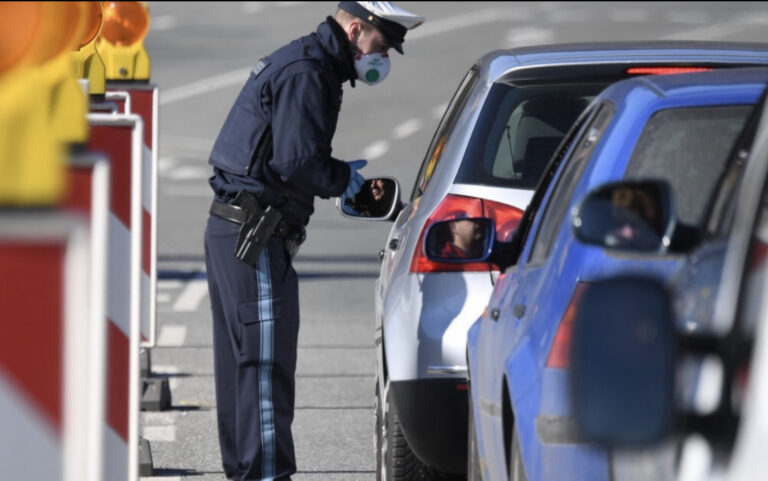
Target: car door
x=499 y=327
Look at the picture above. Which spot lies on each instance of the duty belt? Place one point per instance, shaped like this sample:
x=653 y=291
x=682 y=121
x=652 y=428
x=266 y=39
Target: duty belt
x=257 y=225
x=238 y=215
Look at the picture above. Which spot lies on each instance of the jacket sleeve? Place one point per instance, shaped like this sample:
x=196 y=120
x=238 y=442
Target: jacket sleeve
x=302 y=137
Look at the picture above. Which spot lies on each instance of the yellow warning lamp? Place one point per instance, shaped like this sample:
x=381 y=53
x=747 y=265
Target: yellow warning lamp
x=63 y=24
x=31 y=158
x=88 y=63
x=121 y=43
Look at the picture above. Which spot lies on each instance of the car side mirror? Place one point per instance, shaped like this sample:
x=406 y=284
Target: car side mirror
x=636 y=216
x=378 y=199
x=622 y=362
x=460 y=240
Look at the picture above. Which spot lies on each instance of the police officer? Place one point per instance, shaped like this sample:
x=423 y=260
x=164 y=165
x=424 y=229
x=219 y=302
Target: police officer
x=271 y=158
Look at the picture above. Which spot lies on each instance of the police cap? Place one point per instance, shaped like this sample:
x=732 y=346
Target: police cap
x=389 y=19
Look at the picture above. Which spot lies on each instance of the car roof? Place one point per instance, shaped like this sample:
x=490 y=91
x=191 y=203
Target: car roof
x=496 y=63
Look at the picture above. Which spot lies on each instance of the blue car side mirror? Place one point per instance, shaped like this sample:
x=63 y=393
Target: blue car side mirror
x=636 y=216
x=623 y=362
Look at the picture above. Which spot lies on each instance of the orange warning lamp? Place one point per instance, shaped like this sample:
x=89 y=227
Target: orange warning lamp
x=122 y=41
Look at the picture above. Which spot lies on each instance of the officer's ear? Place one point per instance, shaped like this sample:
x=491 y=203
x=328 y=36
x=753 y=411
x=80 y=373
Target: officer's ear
x=353 y=30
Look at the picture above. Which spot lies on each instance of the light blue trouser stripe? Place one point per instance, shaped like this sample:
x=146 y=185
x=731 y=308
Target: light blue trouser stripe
x=265 y=368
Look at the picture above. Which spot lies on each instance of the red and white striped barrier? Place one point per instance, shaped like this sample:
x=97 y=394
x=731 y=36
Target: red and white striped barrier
x=50 y=386
x=119 y=136
x=142 y=100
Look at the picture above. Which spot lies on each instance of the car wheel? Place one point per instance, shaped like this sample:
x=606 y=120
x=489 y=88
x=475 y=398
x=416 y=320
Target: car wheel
x=394 y=459
x=516 y=468
x=473 y=456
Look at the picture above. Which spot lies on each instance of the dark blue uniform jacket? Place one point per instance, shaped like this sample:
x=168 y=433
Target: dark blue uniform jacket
x=276 y=140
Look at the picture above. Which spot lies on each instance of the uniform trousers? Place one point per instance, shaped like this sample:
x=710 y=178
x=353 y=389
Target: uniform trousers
x=255 y=334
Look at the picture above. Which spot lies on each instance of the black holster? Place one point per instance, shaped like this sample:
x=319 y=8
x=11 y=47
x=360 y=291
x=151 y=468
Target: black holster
x=257 y=228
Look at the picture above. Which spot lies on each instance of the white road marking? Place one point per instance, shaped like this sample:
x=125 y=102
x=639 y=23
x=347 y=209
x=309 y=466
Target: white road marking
x=629 y=15
x=187 y=173
x=687 y=17
x=172 y=336
x=720 y=30
x=523 y=36
x=409 y=127
x=150 y=418
x=187 y=191
x=183 y=143
x=173 y=382
x=375 y=150
x=162 y=434
x=253 y=7
x=192 y=296
x=437 y=27
x=163 y=297
x=163 y=22
x=444 y=25
x=226 y=79
x=165 y=164
x=169 y=284
x=438 y=111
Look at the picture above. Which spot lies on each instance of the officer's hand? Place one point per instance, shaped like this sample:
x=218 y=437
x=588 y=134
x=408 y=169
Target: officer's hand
x=355 y=179
x=346 y=206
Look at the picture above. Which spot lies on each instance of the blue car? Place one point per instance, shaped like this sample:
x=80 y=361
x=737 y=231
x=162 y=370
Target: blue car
x=731 y=329
x=676 y=128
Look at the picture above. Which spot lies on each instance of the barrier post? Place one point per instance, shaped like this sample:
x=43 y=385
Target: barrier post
x=119 y=136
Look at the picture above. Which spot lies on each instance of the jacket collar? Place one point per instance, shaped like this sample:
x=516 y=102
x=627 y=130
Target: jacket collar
x=333 y=40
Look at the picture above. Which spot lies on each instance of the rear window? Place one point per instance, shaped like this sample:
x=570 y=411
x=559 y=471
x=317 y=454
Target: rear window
x=519 y=129
x=688 y=147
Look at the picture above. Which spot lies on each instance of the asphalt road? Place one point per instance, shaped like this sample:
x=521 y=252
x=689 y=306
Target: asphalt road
x=201 y=54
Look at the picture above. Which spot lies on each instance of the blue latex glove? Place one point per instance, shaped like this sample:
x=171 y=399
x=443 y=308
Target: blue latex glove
x=355 y=179
x=346 y=208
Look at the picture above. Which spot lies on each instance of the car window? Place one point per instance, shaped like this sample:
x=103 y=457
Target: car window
x=563 y=191
x=722 y=212
x=518 y=130
x=444 y=129
x=513 y=250
x=688 y=147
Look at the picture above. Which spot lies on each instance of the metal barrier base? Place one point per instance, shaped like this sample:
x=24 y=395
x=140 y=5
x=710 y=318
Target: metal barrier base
x=155 y=394
x=146 y=468
x=145 y=358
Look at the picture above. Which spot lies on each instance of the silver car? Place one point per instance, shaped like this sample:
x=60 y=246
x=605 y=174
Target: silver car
x=486 y=158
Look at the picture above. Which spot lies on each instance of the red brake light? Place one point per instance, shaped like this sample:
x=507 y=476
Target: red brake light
x=665 y=70
x=561 y=346
x=505 y=216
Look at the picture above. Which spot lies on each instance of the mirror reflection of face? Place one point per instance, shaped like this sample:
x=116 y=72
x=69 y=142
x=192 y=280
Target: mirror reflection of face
x=378 y=189
x=467 y=235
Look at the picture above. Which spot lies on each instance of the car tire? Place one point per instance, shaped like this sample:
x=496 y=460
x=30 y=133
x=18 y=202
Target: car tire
x=395 y=461
x=516 y=468
x=473 y=455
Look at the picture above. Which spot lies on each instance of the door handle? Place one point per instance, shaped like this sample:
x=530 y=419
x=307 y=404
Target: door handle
x=495 y=313
x=393 y=244
x=519 y=310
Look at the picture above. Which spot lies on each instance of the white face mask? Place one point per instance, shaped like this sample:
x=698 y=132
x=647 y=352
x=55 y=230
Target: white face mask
x=372 y=68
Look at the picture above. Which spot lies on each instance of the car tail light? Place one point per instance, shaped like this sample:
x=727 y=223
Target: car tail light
x=665 y=70
x=505 y=216
x=561 y=345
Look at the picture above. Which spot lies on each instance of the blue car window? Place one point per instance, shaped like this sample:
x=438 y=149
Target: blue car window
x=688 y=147
x=443 y=132
x=518 y=130
x=566 y=183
